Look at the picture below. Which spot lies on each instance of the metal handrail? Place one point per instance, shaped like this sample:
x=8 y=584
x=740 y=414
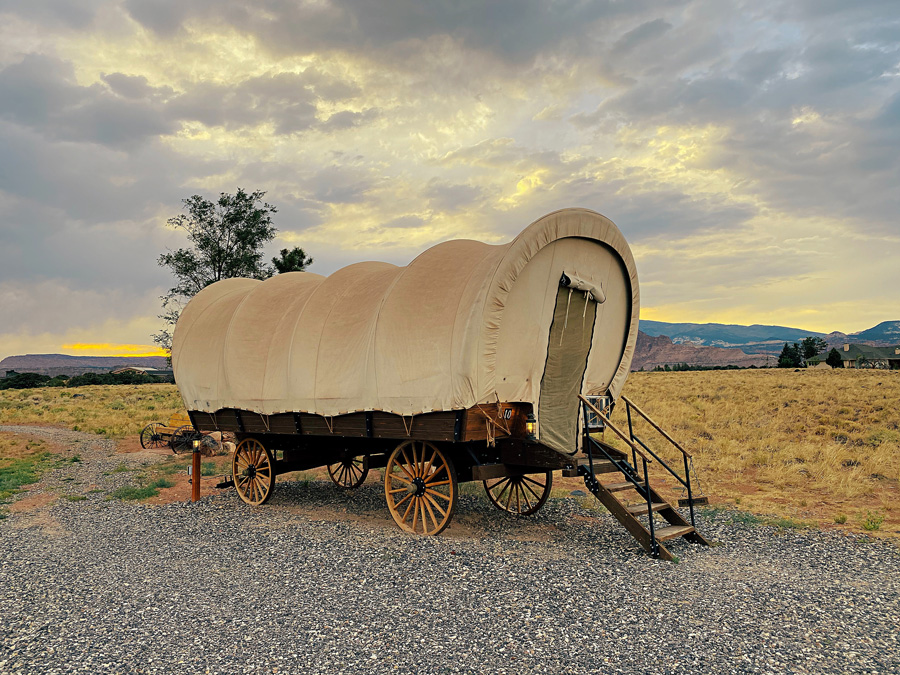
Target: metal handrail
x=619 y=433
x=656 y=426
x=686 y=456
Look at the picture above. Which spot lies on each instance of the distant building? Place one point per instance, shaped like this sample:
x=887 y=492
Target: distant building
x=864 y=356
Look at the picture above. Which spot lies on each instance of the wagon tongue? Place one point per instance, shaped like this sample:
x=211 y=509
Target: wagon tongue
x=227 y=483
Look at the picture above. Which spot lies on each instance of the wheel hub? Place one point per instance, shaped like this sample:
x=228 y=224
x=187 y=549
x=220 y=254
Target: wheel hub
x=251 y=471
x=418 y=487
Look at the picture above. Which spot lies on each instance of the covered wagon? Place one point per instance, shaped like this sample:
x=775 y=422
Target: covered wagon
x=473 y=362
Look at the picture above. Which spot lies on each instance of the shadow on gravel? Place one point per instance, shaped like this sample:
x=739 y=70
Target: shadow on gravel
x=475 y=517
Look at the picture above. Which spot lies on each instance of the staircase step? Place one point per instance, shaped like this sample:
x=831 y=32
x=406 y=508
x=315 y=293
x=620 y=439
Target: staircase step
x=638 y=509
x=672 y=531
x=618 y=487
x=600 y=466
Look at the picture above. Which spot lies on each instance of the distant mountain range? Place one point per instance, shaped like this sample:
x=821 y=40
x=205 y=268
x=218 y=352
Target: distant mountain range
x=659 y=343
x=760 y=339
x=62 y=364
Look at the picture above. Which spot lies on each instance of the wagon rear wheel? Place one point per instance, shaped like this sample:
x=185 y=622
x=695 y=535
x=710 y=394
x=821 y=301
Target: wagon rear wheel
x=420 y=487
x=253 y=471
x=150 y=436
x=183 y=439
x=520 y=495
x=350 y=472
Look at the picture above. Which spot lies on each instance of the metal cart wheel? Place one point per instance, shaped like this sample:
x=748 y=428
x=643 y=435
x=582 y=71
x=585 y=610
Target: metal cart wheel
x=183 y=439
x=150 y=436
x=520 y=495
x=253 y=472
x=420 y=487
x=350 y=472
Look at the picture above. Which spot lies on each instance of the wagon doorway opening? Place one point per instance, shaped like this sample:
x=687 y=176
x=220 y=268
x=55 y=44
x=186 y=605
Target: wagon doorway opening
x=571 y=334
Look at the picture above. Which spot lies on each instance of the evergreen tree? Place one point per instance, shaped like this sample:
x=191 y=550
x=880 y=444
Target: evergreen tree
x=834 y=359
x=791 y=356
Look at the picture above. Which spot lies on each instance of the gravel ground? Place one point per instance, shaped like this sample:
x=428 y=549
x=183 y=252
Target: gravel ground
x=322 y=582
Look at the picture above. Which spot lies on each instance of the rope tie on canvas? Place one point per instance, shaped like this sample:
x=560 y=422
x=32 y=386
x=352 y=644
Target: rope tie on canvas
x=405 y=426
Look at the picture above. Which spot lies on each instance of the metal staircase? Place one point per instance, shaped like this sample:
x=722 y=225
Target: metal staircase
x=630 y=478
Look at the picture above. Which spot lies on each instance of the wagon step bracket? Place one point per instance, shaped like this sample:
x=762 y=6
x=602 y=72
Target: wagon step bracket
x=640 y=518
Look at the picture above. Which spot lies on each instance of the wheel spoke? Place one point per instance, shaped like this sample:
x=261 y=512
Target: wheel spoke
x=429 y=491
x=538 y=483
x=500 y=481
x=396 y=490
x=415 y=504
x=436 y=474
x=394 y=477
x=528 y=487
x=402 y=466
x=397 y=505
x=426 y=504
x=525 y=497
x=435 y=505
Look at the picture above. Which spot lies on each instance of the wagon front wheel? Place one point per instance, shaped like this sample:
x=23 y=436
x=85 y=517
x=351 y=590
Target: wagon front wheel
x=520 y=495
x=350 y=472
x=420 y=487
x=253 y=471
x=150 y=436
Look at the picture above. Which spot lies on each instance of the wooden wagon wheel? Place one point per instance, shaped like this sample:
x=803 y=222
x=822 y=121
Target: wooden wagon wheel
x=183 y=439
x=253 y=472
x=150 y=436
x=420 y=487
x=350 y=472
x=520 y=495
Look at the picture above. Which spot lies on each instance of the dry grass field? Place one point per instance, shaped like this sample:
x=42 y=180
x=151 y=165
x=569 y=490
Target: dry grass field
x=820 y=448
x=117 y=412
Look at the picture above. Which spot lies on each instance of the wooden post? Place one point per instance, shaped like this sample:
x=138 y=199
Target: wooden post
x=195 y=473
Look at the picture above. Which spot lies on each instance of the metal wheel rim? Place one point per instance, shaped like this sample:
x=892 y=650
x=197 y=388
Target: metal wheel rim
x=520 y=495
x=420 y=488
x=349 y=473
x=253 y=472
x=149 y=437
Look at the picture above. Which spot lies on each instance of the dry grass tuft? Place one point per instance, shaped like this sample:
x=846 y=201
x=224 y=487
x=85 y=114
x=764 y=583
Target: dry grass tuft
x=813 y=444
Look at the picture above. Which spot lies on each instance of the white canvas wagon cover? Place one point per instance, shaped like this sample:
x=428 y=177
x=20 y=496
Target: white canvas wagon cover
x=465 y=323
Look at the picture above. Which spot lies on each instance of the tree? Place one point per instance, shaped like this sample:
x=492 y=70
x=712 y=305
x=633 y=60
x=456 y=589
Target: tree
x=294 y=260
x=791 y=356
x=226 y=237
x=812 y=346
x=834 y=359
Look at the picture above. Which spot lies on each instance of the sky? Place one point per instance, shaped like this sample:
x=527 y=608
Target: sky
x=749 y=151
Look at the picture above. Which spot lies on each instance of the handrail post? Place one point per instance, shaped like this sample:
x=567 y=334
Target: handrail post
x=654 y=548
x=631 y=435
x=687 y=479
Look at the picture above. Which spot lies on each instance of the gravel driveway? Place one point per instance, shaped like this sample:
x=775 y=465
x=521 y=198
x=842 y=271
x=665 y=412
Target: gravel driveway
x=322 y=582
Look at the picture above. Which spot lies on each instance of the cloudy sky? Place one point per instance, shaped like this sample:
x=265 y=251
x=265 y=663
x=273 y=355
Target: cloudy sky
x=748 y=150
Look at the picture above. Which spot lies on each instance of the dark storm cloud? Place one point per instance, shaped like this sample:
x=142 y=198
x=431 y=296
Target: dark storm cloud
x=511 y=29
x=40 y=92
x=69 y=13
